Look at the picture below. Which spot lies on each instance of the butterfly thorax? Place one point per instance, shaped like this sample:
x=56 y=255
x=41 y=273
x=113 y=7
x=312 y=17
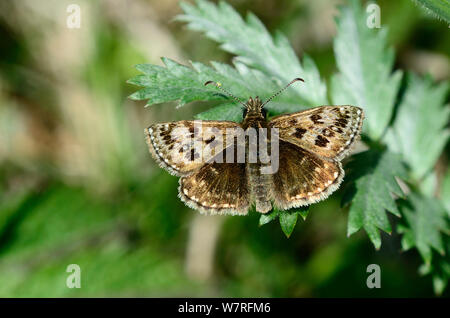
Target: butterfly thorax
x=254 y=114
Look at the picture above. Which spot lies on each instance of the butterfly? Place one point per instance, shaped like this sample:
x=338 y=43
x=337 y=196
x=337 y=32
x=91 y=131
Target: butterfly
x=310 y=147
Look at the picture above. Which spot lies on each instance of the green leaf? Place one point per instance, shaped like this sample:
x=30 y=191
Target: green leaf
x=226 y=111
x=365 y=66
x=288 y=221
x=441 y=270
x=445 y=191
x=268 y=217
x=429 y=184
x=255 y=47
x=177 y=82
x=372 y=176
x=303 y=211
x=425 y=219
x=439 y=284
x=420 y=124
x=437 y=8
x=185 y=84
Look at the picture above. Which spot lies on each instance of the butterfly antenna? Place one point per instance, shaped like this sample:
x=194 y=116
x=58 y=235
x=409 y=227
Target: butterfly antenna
x=282 y=90
x=219 y=86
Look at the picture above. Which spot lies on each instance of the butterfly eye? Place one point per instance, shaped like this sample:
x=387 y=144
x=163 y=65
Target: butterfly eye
x=244 y=113
x=263 y=112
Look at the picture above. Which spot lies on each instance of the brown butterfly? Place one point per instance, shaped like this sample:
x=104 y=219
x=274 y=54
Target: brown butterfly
x=310 y=146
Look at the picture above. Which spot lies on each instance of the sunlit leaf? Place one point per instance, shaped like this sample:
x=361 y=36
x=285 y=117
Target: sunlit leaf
x=255 y=47
x=445 y=191
x=231 y=112
x=288 y=221
x=439 y=9
x=372 y=176
x=268 y=217
x=425 y=219
x=418 y=132
x=365 y=76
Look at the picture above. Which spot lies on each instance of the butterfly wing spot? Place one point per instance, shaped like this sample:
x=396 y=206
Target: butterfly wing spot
x=342 y=122
x=321 y=141
x=316 y=119
x=299 y=132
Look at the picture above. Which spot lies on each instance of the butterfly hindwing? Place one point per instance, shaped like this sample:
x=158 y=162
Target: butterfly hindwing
x=217 y=188
x=328 y=131
x=303 y=177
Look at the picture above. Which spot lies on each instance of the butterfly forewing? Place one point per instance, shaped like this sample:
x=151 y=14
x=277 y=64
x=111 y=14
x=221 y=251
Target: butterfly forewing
x=328 y=131
x=183 y=147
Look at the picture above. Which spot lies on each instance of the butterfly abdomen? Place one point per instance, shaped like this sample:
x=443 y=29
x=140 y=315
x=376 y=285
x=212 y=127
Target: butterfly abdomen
x=259 y=185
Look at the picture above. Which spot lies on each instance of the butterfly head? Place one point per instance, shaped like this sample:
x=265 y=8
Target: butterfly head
x=254 y=108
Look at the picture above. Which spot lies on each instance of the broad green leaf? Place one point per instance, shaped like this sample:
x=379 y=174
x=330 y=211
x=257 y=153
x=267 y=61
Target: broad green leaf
x=255 y=47
x=231 y=112
x=429 y=184
x=288 y=221
x=418 y=132
x=373 y=184
x=177 y=82
x=437 y=8
x=365 y=76
x=425 y=219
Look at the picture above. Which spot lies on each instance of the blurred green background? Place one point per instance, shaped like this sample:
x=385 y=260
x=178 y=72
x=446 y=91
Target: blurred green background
x=77 y=185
